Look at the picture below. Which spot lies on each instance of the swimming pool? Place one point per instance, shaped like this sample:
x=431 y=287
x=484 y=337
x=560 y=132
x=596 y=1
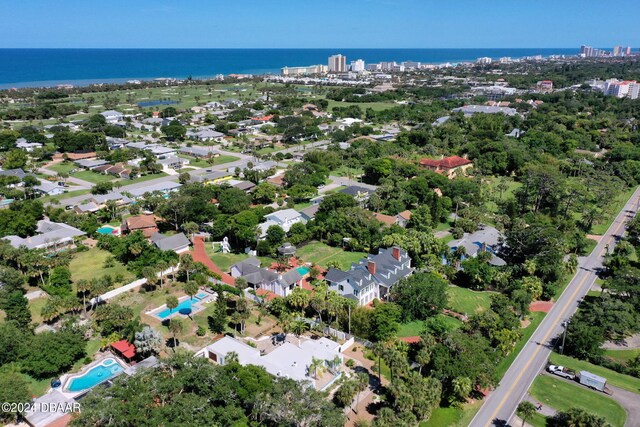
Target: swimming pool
x=184 y=307
x=106 y=230
x=102 y=372
x=201 y=295
x=303 y=270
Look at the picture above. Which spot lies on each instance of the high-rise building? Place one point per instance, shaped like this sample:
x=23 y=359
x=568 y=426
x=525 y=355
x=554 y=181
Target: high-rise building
x=337 y=63
x=627 y=51
x=617 y=51
x=484 y=60
x=358 y=66
x=301 y=71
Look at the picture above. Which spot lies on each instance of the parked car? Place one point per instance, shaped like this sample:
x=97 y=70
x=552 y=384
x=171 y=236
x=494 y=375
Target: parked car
x=561 y=371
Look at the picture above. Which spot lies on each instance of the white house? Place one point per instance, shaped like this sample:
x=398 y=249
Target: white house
x=284 y=218
x=267 y=280
x=23 y=144
x=287 y=360
x=50 y=234
x=112 y=116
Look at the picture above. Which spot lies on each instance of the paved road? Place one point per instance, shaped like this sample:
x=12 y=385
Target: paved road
x=500 y=405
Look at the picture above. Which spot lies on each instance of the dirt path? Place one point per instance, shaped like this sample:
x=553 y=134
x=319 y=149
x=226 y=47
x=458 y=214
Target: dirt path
x=628 y=343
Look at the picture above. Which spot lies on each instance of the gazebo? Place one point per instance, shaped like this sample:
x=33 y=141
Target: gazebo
x=124 y=349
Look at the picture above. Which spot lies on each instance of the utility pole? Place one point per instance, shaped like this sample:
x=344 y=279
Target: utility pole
x=349 y=308
x=564 y=335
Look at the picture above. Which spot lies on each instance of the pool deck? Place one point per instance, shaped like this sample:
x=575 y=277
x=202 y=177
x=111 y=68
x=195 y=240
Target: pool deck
x=66 y=378
x=196 y=306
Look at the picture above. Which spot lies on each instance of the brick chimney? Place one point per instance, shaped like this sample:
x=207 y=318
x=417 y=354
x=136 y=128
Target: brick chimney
x=371 y=266
x=395 y=252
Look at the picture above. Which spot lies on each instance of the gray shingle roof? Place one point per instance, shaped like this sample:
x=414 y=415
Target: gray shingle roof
x=170 y=243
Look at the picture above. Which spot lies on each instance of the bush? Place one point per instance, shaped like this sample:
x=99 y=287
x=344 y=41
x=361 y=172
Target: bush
x=201 y=331
x=350 y=363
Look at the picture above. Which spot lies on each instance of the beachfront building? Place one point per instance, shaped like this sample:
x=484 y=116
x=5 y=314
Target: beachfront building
x=337 y=63
x=373 y=277
x=304 y=71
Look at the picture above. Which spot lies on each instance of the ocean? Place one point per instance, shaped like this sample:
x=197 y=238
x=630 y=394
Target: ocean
x=50 y=67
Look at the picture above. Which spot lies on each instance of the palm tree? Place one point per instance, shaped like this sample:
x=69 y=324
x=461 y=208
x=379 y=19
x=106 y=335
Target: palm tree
x=299 y=327
x=190 y=228
x=50 y=310
x=83 y=287
x=187 y=264
x=526 y=410
x=315 y=366
x=191 y=289
x=175 y=327
x=231 y=357
x=172 y=302
x=162 y=266
x=361 y=382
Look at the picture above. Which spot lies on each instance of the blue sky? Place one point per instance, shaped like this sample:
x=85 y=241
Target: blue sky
x=324 y=23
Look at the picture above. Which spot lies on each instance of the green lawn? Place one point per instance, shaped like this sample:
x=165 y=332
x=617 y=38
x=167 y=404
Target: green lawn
x=321 y=254
x=614 y=378
x=441 y=417
x=143 y=178
x=622 y=356
x=62 y=167
x=562 y=395
x=616 y=206
x=201 y=163
x=494 y=192
x=503 y=366
x=225 y=261
x=66 y=195
x=412 y=329
x=35 y=305
x=466 y=301
x=376 y=106
x=90 y=264
x=93 y=177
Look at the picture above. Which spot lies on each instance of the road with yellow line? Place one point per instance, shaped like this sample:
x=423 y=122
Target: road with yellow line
x=500 y=406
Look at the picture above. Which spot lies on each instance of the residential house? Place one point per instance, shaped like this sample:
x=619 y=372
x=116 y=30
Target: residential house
x=403 y=218
x=172 y=163
x=118 y=198
x=309 y=212
x=112 y=116
x=205 y=135
x=284 y=218
x=163 y=187
x=144 y=223
x=486 y=239
x=23 y=144
x=178 y=243
x=373 y=277
x=51 y=236
x=47 y=188
x=89 y=207
x=387 y=220
x=361 y=194
x=90 y=163
x=451 y=166
x=287 y=360
x=18 y=173
x=211 y=177
x=199 y=152
x=270 y=281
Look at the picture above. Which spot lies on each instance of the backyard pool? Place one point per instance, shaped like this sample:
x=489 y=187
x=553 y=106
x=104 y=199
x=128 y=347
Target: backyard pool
x=106 y=230
x=104 y=371
x=5 y=202
x=303 y=270
x=184 y=307
x=201 y=295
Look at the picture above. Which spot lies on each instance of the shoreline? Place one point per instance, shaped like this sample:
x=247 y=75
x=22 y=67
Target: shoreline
x=469 y=56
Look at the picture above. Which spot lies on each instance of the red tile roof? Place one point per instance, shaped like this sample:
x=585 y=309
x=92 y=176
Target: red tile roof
x=410 y=340
x=385 y=219
x=125 y=348
x=446 y=163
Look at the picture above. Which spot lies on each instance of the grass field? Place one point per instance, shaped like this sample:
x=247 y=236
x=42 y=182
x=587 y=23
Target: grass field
x=617 y=379
x=466 y=301
x=321 y=254
x=412 y=329
x=93 y=177
x=143 y=178
x=622 y=356
x=376 y=106
x=563 y=395
x=90 y=264
x=200 y=163
x=62 y=167
x=67 y=195
x=494 y=192
x=35 y=306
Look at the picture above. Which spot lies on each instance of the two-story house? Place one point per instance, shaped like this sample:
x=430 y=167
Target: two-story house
x=267 y=280
x=372 y=277
x=284 y=218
